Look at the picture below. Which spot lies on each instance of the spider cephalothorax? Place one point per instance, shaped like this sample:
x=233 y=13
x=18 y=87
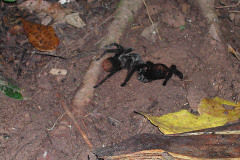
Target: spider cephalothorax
x=122 y=59
x=147 y=71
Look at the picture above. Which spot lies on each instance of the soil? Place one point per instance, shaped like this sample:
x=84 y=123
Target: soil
x=27 y=127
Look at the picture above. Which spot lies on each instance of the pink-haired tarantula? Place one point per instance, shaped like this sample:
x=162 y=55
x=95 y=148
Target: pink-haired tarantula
x=147 y=71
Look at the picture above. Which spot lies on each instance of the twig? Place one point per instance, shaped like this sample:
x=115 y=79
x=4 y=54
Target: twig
x=50 y=129
x=151 y=19
x=234 y=11
x=69 y=113
x=229 y=6
x=50 y=55
x=225 y=132
x=23 y=146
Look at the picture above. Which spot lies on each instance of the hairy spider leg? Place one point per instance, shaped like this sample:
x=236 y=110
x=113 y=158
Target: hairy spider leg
x=136 y=67
x=126 y=50
x=178 y=73
x=116 y=51
x=108 y=76
x=169 y=75
x=116 y=45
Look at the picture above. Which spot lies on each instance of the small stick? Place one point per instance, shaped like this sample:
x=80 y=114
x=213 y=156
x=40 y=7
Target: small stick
x=50 y=129
x=229 y=6
x=234 y=11
x=69 y=113
x=50 y=55
x=151 y=19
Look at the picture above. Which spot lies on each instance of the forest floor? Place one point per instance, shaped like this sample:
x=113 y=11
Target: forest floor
x=183 y=40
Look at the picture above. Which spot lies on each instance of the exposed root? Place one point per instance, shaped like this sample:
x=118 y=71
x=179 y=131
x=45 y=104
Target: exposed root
x=208 y=11
x=124 y=15
x=86 y=91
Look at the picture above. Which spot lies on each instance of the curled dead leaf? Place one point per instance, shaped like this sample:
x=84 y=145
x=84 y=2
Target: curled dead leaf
x=40 y=36
x=231 y=50
x=16 y=30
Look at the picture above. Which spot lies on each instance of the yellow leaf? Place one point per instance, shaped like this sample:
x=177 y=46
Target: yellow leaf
x=184 y=121
x=212 y=114
x=215 y=107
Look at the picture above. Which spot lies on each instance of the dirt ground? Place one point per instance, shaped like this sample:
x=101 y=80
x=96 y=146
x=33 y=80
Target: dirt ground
x=26 y=126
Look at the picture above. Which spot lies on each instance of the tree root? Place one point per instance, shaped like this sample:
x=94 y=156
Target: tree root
x=208 y=11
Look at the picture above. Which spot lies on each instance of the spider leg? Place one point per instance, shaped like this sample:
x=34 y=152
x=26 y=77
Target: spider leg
x=178 y=73
x=116 y=45
x=129 y=75
x=128 y=50
x=121 y=48
x=108 y=51
x=124 y=51
x=169 y=75
x=108 y=76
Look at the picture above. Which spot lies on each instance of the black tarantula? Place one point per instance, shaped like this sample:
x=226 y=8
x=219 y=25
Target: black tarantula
x=147 y=71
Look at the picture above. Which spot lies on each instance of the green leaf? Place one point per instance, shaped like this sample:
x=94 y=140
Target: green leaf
x=9 y=0
x=182 y=27
x=9 y=89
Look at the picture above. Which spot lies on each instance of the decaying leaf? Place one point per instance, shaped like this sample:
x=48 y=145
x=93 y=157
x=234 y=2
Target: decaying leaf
x=74 y=20
x=55 y=10
x=40 y=36
x=16 y=30
x=215 y=108
x=212 y=114
x=231 y=50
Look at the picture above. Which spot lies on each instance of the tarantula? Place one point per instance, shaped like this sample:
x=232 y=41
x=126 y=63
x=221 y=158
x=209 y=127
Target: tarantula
x=147 y=71
x=122 y=59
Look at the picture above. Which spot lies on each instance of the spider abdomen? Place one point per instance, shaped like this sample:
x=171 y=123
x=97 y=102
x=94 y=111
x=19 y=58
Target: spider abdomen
x=159 y=71
x=110 y=64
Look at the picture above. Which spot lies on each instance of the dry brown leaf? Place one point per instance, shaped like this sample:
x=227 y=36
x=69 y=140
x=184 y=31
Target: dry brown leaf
x=185 y=7
x=231 y=50
x=16 y=30
x=55 y=10
x=40 y=36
